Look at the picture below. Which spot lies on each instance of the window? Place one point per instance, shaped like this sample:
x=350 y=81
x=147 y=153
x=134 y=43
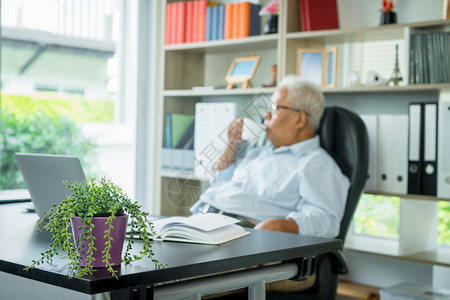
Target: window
x=379 y=56
x=377 y=216
x=64 y=85
x=444 y=223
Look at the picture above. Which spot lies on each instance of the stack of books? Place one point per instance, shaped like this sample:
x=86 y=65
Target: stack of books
x=201 y=20
x=178 y=153
x=429 y=60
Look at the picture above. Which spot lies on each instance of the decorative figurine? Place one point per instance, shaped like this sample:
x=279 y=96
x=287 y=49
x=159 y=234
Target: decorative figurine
x=271 y=11
x=274 y=78
x=396 y=77
x=374 y=79
x=388 y=15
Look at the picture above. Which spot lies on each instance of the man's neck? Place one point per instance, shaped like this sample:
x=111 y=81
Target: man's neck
x=297 y=139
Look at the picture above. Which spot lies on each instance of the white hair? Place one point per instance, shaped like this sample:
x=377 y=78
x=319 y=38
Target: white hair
x=306 y=96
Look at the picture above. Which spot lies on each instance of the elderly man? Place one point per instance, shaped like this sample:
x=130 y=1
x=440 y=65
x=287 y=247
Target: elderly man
x=291 y=184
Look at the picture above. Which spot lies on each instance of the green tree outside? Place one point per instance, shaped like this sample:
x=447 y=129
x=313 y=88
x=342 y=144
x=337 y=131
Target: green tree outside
x=47 y=124
x=379 y=216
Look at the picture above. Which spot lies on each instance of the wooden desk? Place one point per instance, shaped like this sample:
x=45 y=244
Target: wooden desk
x=20 y=244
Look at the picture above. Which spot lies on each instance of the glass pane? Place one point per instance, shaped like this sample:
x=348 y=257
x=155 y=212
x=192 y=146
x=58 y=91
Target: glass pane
x=377 y=216
x=60 y=88
x=444 y=223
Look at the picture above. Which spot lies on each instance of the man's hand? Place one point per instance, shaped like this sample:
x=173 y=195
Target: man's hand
x=235 y=132
x=234 y=139
x=283 y=225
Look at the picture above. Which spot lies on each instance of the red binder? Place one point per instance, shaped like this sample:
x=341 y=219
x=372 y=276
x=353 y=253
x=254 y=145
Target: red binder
x=167 y=35
x=170 y=24
x=202 y=5
x=189 y=21
x=302 y=14
x=319 y=14
x=180 y=22
x=195 y=12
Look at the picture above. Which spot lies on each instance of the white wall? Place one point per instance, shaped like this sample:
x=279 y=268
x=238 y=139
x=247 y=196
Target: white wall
x=384 y=272
x=115 y=153
x=366 y=13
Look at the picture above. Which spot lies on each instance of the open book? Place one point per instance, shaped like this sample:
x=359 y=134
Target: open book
x=213 y=229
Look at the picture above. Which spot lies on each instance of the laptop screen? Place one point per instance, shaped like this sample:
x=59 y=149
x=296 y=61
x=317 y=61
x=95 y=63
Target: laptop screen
x=44 y=175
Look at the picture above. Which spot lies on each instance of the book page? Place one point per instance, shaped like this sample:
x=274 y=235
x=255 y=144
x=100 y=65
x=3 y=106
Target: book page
x=210 y=228
x=204 y=222
x=213 y=237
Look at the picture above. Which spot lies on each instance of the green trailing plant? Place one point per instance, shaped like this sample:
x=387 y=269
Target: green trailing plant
x=88 y=200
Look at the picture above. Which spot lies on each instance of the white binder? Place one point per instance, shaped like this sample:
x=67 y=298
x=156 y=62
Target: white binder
x=211 y=133
x=415 y=149
x=443 y=169
x=202 y=137
x=371 y=122
x=400 y=154
x=429 y=167
x=392 y=153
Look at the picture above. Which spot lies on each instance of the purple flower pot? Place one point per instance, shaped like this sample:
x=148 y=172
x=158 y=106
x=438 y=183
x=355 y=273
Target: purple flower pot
x=118 y=234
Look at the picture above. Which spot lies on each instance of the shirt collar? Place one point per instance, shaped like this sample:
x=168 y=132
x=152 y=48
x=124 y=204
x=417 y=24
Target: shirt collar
x=300 y=147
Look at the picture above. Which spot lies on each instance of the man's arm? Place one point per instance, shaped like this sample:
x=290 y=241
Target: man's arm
x=283 y=225
x=234 y=139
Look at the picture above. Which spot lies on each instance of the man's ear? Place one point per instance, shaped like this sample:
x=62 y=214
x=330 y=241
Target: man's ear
x=301 y=120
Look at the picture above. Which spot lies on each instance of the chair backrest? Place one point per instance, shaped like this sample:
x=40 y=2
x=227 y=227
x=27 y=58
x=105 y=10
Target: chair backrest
x=344 y=136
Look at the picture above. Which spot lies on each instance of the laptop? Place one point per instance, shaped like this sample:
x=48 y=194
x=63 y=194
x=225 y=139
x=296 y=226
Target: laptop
x=44 y=175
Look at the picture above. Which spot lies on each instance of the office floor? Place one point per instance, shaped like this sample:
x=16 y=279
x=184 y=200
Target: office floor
x=339 y=297
x=243 y=296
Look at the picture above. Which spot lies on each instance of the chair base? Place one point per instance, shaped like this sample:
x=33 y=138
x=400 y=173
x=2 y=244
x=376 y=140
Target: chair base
x=323 y=289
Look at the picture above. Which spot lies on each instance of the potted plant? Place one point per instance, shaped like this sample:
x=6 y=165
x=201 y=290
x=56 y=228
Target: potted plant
x=89 y=227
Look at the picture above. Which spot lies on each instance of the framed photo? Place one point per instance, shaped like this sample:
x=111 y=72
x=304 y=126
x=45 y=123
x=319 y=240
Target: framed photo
x=448 y=8
x=318 y=65
x=310 y=65
x=331 y=64
x=242 y=70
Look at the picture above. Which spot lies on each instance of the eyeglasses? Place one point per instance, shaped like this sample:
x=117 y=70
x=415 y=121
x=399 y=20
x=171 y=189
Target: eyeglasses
x=273 y=108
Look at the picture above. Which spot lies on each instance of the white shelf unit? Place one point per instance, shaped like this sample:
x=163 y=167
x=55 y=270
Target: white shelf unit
x=205 y=64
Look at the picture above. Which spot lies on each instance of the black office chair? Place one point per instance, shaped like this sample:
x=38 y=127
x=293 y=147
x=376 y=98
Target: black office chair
x=344 y=135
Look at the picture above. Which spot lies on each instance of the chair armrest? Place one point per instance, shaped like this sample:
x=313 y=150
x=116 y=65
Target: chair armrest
x=338 y=262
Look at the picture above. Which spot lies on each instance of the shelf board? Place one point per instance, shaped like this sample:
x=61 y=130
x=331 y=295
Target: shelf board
x=183 y=175
x=352 y=90
x=380 y=89
x=353 y=35
x=439 y=256
x=408 y=196
x=378 y=33
x=218 y=92
x=256 y=42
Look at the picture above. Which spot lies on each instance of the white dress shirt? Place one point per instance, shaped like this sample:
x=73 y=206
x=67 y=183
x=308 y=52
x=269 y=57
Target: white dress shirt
x=301 y=182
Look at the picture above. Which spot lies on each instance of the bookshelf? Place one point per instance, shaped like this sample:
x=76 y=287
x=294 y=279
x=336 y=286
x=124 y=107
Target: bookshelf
x=206 y=63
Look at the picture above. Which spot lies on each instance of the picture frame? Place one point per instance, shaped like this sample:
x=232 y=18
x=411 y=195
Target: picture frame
x=447 y=4
x=310 y=65
x=331 y=65
x=318 y=65
x=242 y=70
